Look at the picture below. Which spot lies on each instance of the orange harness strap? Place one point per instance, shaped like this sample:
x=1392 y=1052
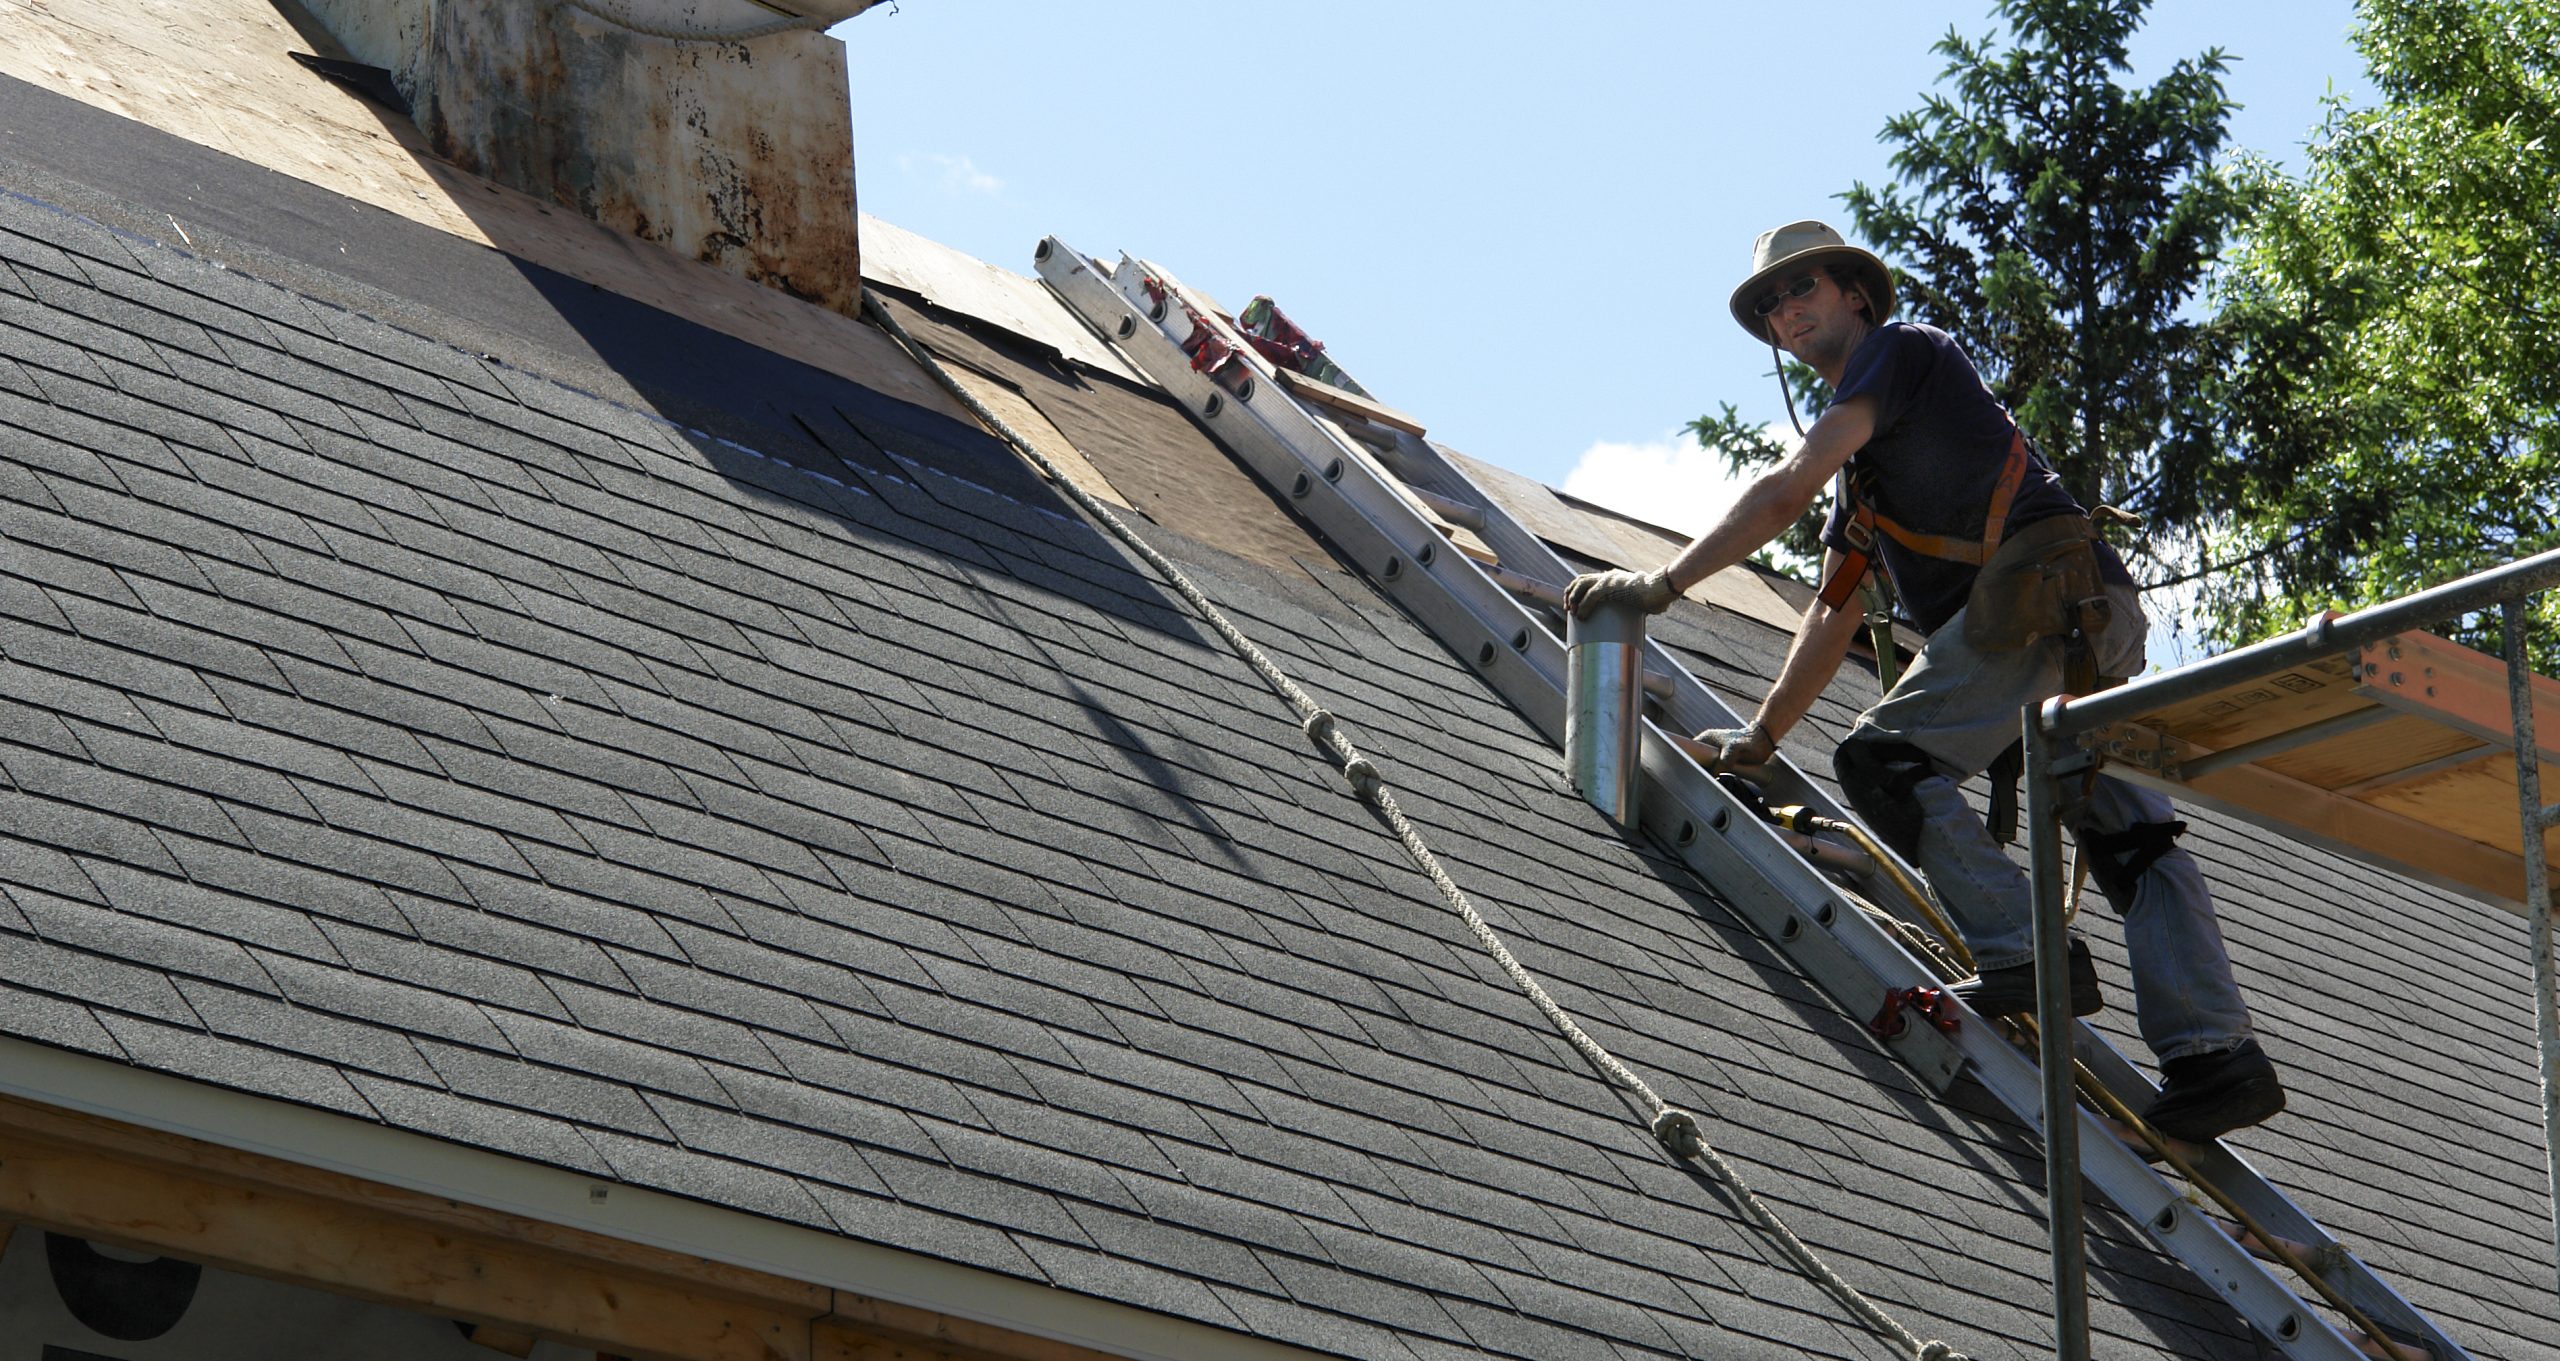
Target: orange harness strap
x=1864 y=521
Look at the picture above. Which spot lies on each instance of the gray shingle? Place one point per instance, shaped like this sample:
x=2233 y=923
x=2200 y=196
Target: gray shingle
x=750 y=1003
x=62 y=1022
x=715 y=1039
x=562 y=1094
x=230 y=1062
x=478 y=1124
x=485 y=938
x=177 y=951
x=930 y=1183
x=67 y=827
x=398 y=1008
x=264 y=1019
x=891 y=1222
x=211 y=909
x=48 y=869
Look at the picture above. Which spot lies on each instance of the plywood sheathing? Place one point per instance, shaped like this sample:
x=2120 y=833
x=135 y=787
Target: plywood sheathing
x=963 y=284
x=1137 y=442
x=1604 y=538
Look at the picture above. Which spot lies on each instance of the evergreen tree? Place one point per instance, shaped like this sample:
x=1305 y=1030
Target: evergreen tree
x=2395 y=399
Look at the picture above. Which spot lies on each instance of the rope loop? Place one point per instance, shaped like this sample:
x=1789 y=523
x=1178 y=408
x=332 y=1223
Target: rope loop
x=1678 y=1131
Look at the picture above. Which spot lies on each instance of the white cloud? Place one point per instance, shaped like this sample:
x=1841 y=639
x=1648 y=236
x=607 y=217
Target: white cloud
x=1672 y=481
x=957 y=174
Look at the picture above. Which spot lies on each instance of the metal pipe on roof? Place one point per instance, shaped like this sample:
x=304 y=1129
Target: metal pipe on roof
x=2320 y=638
x=1604 y=708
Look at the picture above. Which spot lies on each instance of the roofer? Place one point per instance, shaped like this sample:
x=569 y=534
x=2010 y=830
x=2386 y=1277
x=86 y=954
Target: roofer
x=1935 y=481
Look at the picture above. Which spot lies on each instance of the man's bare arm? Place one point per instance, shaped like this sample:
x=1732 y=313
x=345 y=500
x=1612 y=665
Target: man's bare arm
x=1763 y=511
x=1774 y=500
x=1822 y=640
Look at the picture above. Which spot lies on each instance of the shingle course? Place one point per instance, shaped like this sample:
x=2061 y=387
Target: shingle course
x=799 y=846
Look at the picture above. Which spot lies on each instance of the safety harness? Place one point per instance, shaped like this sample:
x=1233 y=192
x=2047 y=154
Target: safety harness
x=1865 y=520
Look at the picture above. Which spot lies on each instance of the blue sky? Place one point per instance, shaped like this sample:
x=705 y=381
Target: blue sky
x=1518 y=222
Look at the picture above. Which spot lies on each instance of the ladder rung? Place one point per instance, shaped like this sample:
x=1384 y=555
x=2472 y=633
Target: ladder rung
x=1455 y=512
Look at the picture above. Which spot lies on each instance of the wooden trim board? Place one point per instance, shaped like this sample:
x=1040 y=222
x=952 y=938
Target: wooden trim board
x=115 y=1183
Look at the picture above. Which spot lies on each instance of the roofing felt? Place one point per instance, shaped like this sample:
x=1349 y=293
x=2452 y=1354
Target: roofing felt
x=814 y=818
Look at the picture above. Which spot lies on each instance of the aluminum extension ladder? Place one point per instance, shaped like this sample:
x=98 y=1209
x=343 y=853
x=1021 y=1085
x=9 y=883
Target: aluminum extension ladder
x=1381 y=497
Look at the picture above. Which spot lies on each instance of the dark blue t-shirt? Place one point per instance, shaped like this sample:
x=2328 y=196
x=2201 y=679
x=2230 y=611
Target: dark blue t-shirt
x=1940 y=442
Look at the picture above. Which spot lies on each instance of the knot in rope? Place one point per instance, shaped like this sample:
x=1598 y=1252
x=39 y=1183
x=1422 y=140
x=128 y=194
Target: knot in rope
x=1319 y=726
x=1363 y=777
x=1678 y=1131
x=1937 y=1351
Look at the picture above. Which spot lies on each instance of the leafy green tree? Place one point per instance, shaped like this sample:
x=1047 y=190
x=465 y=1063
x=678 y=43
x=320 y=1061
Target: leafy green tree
x=2395 y=398
x=2058 y=223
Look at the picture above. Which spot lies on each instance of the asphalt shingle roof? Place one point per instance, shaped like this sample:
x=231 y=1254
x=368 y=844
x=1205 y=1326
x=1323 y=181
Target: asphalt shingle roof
x=814 y=818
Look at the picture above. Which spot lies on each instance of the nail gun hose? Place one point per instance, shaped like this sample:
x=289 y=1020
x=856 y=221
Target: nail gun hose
x=1801 y=819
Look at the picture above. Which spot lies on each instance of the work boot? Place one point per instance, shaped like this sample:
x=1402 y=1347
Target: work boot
x=2009 y=991
x=2205 y=1096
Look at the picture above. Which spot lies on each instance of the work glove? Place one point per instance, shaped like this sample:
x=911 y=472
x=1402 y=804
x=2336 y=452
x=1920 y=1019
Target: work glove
x=1743 y=751
x=1647 y=591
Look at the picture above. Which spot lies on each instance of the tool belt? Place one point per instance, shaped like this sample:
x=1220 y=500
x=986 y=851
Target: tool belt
x=2042 y=583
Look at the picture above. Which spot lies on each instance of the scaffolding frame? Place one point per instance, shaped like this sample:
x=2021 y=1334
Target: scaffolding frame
x=2061 y=744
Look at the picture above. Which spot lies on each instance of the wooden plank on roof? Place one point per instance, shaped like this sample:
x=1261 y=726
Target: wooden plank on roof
x=1605 y=538
x=2455 y=686
x=1033 y=424
x=2478 y=800
x=1349 y=403
x=2259 y=708
x=2394 y=742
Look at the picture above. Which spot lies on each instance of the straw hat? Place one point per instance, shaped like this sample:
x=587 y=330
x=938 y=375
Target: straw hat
x=1795 y=246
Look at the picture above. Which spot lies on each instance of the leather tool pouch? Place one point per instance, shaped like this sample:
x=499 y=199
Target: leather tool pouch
x=2041 y=583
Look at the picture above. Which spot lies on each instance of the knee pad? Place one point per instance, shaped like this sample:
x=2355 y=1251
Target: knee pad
x=2118 y=860
x=1878 y=777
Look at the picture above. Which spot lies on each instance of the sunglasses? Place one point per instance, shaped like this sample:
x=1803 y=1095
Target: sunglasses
x=1800 y=288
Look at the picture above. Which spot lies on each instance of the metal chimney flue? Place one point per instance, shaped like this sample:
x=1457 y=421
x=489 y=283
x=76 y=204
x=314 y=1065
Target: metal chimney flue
x=1604 y=709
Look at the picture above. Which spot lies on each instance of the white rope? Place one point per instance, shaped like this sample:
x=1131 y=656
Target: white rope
x=1677 y=1129
x=621 y=18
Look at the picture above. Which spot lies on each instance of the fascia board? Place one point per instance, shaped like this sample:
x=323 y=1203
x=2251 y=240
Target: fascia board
x=494 y=1181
